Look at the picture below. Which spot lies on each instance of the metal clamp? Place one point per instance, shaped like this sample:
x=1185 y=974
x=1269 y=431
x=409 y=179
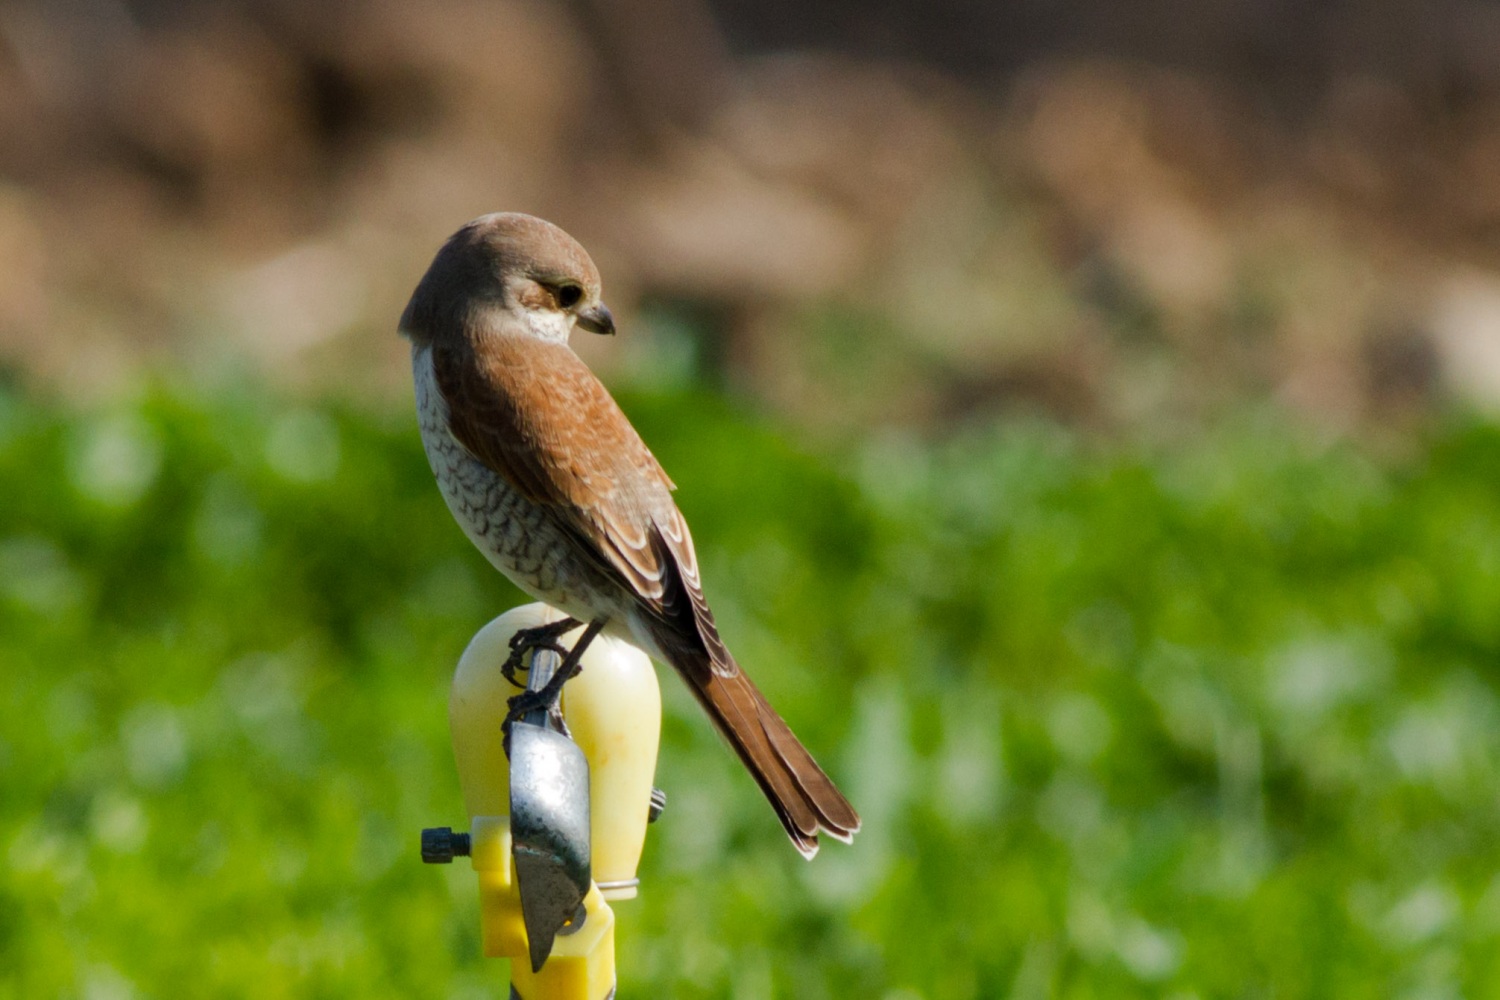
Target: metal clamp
x=549 y=821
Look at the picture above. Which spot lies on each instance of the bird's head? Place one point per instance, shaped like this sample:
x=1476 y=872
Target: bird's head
x=507 y=266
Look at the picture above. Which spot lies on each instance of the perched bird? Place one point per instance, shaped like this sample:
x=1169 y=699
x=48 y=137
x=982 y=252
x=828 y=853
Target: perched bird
x=550 y=481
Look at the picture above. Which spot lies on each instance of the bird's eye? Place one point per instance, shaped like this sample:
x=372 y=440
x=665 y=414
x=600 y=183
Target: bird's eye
x=568 y=295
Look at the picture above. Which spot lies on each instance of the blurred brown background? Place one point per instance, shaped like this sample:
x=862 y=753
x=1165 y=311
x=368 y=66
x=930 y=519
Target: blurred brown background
x=855 y=212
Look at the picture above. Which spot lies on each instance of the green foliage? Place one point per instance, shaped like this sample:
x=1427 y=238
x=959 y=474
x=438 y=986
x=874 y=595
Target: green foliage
x=1215 y=720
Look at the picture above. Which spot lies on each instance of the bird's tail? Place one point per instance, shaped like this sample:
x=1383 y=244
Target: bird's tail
x=803 y=796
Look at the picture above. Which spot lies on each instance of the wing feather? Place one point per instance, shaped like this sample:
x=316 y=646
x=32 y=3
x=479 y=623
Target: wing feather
x=534 y=414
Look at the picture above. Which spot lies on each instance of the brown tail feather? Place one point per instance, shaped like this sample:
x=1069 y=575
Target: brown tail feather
x=803 y=796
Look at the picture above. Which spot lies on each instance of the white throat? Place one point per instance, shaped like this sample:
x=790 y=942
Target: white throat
x=548 y=324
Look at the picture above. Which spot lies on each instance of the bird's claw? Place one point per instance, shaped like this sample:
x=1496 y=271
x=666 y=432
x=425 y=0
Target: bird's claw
x=529 y=640
x=548 y=695
x=515 y=662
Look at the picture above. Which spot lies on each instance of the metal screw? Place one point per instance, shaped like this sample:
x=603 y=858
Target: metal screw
x=658 y=803
x=440 y=845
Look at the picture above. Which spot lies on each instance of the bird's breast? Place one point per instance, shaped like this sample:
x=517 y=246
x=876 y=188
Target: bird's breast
x=494 y=515
x=516 y=535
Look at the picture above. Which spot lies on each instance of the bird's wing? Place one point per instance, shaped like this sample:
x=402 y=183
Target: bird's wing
x=534 y=414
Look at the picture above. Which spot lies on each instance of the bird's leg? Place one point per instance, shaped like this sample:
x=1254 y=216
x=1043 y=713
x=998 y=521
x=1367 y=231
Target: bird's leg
x=546 y=696
x=529 y=640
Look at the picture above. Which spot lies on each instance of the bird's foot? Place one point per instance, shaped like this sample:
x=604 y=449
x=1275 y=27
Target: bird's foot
x=529 y=640
x=547 y=696
x=526 y=702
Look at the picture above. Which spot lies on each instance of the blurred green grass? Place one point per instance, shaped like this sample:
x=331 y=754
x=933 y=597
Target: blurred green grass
x=1214 y=719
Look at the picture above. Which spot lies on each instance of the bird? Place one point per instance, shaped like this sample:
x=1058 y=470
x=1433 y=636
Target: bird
x=550 y=481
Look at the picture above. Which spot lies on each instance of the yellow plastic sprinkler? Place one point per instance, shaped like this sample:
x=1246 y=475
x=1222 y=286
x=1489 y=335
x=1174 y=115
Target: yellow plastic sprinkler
x=556 y=828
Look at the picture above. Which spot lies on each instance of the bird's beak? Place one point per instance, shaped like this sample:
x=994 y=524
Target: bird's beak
x=596 y=319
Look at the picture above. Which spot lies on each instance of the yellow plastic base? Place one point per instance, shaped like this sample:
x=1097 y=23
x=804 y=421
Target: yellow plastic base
x=581 y=966
x=501 y=928
x=614 y=711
